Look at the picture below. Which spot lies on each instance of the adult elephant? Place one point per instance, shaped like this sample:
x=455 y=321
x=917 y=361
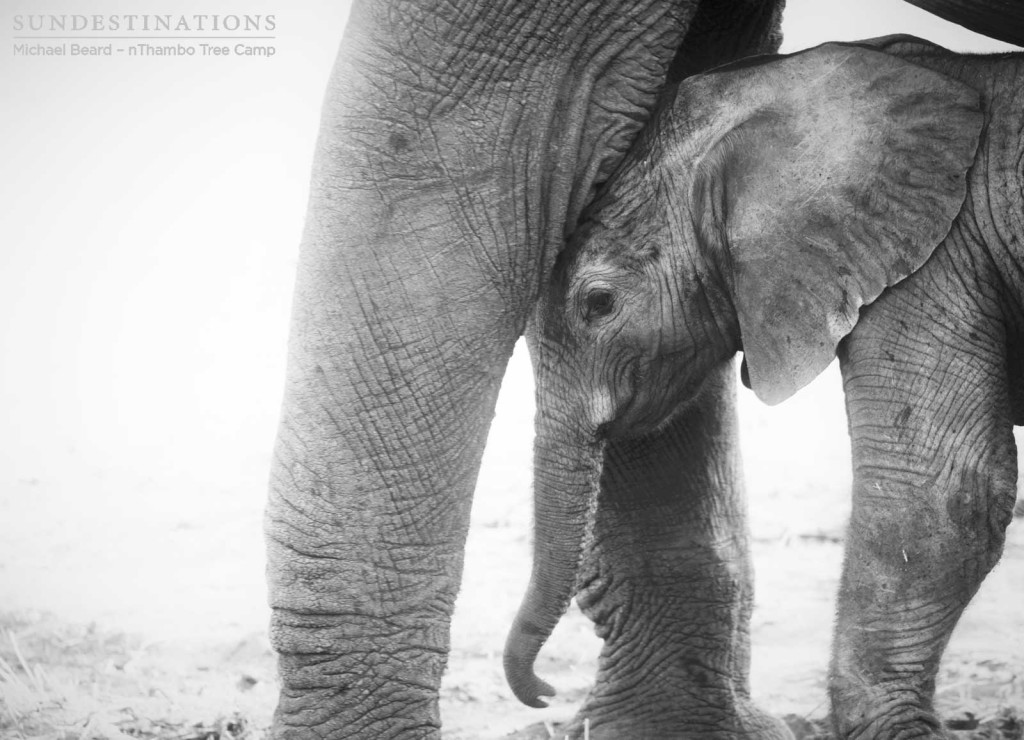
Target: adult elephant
x=459 y=141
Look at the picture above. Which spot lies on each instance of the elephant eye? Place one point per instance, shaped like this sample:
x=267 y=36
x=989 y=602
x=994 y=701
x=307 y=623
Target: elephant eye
x=598 y=302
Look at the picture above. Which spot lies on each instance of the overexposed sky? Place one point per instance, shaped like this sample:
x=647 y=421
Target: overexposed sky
x=153 y=209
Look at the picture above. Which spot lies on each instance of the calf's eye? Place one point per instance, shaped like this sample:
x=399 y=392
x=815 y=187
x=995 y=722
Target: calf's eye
x=597 y=303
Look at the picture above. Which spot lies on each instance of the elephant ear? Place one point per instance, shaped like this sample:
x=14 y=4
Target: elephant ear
x=839 y=178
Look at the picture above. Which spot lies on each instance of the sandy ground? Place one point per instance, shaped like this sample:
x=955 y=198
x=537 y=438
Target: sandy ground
x=134 y=605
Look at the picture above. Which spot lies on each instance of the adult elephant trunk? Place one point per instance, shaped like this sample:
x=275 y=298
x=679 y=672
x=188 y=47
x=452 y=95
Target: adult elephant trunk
x=568 y=458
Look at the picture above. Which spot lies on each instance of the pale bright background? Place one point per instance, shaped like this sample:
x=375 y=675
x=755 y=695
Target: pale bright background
x=152 y=212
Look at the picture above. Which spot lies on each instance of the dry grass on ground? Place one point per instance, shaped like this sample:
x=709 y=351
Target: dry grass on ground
x=67 y=682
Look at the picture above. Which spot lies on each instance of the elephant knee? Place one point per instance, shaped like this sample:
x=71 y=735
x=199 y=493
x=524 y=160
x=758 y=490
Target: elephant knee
x=980 y=509
x=948 y=528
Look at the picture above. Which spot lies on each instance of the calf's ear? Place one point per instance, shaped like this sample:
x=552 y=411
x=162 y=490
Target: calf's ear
x=839 y=176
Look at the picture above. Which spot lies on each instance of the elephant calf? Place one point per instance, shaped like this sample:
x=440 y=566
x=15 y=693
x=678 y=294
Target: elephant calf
x=863 y=200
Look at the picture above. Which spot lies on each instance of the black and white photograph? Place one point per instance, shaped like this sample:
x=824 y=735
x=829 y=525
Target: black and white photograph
x=511 y=370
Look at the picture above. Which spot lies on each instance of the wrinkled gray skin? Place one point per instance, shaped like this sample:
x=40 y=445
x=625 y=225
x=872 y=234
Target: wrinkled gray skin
x=765 y=204
x=459 y=141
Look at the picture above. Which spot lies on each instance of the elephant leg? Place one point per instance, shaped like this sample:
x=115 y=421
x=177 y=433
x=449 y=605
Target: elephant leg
x=934 y=484
x=369 y=510
x=400 y=337
x=668 y=583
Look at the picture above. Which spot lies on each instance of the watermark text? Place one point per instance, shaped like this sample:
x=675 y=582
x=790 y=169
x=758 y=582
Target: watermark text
x=144 y=35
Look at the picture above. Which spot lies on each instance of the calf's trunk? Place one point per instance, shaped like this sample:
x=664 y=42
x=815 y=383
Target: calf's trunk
x=567 y=468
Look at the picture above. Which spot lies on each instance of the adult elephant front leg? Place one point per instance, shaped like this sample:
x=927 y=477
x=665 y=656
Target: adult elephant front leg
x=669 y=582
x=934 y=484
x=397 y=353
x=458 y=142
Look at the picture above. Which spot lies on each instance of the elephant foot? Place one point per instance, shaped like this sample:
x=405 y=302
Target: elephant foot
x=655 y=721
x=916 y=731
x=923 y=728
x=883 y=713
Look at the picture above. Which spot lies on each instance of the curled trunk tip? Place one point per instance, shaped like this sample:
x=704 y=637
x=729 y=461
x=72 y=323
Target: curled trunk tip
x=521 y=650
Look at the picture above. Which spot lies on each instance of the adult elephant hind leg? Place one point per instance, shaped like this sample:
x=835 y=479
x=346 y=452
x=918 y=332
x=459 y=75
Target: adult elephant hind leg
x=668 y=583
x=934 y=486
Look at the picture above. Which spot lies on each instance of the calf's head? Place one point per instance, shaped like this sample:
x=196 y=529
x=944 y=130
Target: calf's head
x=763 y=207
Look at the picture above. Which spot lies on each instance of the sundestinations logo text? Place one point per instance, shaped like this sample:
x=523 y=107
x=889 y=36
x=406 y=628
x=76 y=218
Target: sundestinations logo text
x=143 y=22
